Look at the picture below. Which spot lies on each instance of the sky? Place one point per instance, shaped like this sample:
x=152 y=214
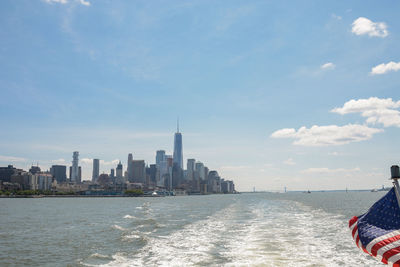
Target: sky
x=271 y=94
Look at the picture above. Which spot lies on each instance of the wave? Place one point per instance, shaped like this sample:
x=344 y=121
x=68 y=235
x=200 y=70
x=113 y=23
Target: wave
x=117 y=227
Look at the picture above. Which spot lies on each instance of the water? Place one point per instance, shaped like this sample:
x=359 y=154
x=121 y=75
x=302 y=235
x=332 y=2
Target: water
x=263 y=229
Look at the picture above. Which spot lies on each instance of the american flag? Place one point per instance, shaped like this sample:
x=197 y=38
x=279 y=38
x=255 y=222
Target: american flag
x=377 y=232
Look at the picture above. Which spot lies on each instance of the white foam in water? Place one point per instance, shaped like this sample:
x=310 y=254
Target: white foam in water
x=115 y=226
x=267 y=233
x=129 y=217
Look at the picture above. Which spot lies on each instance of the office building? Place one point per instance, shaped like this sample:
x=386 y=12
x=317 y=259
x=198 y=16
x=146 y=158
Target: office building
x=59 y=172
x=75 y=167
x=178 y=153
x=119 y=172
x=139 y=171
x=190 y=167
x=160 y=156
x=96 y=170
x=129 y=165
x=34 y=169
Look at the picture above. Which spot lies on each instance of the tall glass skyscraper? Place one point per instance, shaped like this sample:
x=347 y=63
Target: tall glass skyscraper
x=75 y=167
x=178 y=154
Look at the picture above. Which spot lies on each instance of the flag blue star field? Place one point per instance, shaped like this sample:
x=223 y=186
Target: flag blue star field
x=377 y=232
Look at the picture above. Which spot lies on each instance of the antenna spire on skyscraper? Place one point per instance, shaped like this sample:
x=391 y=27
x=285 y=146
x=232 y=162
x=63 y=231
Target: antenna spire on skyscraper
x=177 y=125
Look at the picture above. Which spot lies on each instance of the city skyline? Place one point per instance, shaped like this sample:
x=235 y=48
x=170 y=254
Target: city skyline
x=273 y=94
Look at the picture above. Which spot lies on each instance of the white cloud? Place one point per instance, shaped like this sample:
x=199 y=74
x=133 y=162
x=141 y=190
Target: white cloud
x=376 y=110
x=109 y=163
x=327 y=135
x=336 y=17
x=11 y=159
x=362 y=26
x=328 y=66
x=56 y=1
x=85 y=3
x=289 y=161
x=383 y=68
x=327 y=170
x=86 y=161
x=102 y=162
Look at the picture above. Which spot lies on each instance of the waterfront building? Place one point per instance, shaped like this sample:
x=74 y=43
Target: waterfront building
x=41 y=181
x=112 y=174
x=139 y=172
x=96 y=170
x=129 y=165
x=214 y=182
x=75 y=167
x=104 y=179
x=34 y=169
x=178 y=153
x=119 y=172
x=199 y=172
x=22 y=178
x=6 y=173
x=59 y=173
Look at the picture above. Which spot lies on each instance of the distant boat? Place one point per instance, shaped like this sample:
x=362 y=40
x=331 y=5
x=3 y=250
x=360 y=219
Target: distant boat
x=374 y=190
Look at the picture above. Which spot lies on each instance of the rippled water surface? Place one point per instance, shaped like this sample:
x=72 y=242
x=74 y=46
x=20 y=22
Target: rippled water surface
x=262 y=229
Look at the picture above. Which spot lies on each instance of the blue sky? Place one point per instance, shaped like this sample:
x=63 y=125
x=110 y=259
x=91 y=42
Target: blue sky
x=108 y=78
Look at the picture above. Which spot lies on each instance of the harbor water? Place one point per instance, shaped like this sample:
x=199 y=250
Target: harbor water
x=253 y=229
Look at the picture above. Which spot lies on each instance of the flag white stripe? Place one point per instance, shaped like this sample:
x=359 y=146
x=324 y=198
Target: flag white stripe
x=393 y=259
x=355 y=235
x=381 y=238
x=352 y=227
x=388 y=247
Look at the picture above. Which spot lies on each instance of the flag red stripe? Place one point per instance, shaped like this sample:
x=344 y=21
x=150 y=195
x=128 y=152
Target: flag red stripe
x=353 y=220
x=396 y=264
x=389 y=254
x=377 y=246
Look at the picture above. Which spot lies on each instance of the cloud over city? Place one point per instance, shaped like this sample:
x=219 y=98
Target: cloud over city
x=364 y=26
x=327 y=135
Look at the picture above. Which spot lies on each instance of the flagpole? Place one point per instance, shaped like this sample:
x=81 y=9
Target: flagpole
x=395 y=173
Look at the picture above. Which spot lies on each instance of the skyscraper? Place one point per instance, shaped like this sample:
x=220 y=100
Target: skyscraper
x=75 y=168
x=178 y=154
x=190 y=167
x=96 y=170
x=160 y=157
x=139 y=171
x=119 y=171
x=130 y=167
